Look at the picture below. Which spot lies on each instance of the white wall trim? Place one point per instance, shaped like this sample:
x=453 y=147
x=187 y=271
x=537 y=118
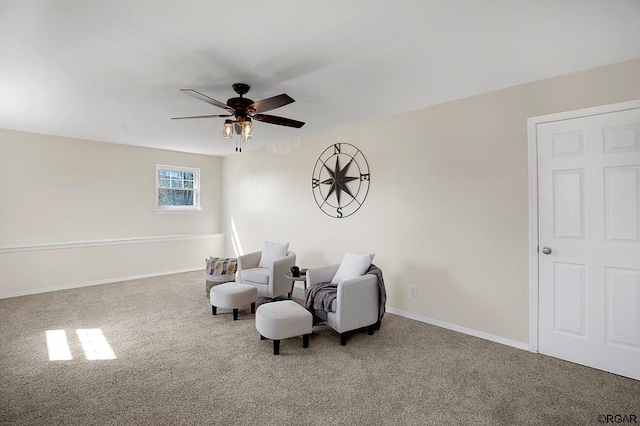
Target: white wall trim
x=104 y=242
x=532 y=124
x=186 y=210
x=99 y=282
x=533 y=233
x=460 y=329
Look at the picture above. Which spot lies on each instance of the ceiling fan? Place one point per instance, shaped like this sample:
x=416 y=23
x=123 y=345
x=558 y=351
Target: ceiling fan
x=244 y=110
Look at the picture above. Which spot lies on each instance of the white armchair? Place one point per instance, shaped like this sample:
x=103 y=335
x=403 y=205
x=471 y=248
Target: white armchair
x=270 y=279
x=357 y=303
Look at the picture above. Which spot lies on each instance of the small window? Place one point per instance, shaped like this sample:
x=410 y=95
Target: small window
x=177 y=188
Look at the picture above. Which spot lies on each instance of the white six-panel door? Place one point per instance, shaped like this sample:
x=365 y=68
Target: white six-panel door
x=589 y=241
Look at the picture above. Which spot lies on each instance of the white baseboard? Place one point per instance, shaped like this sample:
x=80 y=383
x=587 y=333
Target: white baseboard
x=98 y=282
x=460 y=329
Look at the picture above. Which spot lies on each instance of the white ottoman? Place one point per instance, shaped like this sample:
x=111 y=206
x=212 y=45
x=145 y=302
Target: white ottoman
x=233 y=296
x=281 y=320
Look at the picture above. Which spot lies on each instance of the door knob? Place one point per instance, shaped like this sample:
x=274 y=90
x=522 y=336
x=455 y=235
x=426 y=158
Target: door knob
x=546 y=250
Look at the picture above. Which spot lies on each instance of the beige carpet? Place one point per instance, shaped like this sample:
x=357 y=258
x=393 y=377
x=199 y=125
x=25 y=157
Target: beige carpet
x=178 y=364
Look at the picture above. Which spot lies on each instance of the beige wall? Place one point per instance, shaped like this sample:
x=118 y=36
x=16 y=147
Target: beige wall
x=447 y=209
x=55 y=187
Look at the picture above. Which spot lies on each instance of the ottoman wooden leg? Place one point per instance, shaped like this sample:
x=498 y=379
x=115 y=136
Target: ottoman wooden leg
x=305 y=340
x=343 y=339
x=213 y=310
x=253 y=307
x=235 y=314
x=276 y=347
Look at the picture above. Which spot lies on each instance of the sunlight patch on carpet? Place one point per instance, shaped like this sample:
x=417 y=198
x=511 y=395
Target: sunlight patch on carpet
x=58 y=345
x=94 y=344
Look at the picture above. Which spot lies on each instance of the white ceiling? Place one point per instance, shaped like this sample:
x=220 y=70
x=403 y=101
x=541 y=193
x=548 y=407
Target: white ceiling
x=111 y=70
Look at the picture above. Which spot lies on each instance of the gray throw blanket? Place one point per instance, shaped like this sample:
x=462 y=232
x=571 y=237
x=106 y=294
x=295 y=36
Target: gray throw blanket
x=320 y=297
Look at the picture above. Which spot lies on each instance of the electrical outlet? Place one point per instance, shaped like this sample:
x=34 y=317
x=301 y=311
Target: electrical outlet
x=412 y=290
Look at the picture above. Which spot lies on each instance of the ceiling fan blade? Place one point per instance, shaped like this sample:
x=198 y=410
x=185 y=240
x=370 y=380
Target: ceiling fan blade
x=207 y=99
x=202 y=116
x=272 y=119
x=271 y=103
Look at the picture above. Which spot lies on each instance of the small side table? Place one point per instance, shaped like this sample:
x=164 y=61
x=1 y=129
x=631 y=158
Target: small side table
x=302 y=277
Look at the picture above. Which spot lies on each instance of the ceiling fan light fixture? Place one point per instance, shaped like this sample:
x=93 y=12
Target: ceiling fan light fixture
x=247 y=130
x=227 y=130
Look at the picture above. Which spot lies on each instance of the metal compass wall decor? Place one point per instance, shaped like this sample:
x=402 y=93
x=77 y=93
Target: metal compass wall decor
x=340 y=180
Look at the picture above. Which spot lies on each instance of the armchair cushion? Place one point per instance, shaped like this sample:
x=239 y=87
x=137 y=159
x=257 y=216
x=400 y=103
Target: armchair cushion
x=353 y=265
x=256 y=275
x=272 y=252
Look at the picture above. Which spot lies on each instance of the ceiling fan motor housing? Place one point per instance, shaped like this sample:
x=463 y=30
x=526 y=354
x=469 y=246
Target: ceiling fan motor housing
x=240 y=106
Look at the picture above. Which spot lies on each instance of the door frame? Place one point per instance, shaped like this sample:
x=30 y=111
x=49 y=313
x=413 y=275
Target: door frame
x=532 y=137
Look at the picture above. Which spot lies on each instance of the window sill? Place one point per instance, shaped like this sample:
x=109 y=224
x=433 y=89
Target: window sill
x=174 y=210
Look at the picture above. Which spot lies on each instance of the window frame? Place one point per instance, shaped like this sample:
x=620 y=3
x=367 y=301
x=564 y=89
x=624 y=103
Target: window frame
x=196 y=190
